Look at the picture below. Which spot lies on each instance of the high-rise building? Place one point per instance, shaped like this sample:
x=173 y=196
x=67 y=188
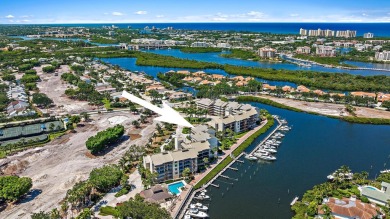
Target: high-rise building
x=346 y=33
x=368 y=35
x=303 y=32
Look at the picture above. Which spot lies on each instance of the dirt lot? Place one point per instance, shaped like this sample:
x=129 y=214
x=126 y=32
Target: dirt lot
x=330 y=108
x=54 y=88
x=56 y=167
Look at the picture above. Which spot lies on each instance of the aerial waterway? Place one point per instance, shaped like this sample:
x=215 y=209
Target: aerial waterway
x=215 y=57
x=313 y=148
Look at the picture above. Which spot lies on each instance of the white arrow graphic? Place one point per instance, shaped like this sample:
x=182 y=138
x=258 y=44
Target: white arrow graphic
x=168 y=114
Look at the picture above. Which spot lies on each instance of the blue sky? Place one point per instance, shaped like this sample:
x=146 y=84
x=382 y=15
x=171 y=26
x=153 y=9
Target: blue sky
x=130 y=11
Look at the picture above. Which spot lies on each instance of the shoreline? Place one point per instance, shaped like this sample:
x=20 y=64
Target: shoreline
x=330 y=110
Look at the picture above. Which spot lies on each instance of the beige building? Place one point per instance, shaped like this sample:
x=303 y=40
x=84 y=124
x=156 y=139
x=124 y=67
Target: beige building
x=237 y=117
x=267 y=52
x=326 y=51
x=303 y=50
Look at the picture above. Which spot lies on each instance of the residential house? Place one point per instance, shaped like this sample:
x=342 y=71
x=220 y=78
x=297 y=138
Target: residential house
x=375 y=195
x=302 y=89
x=349 y=208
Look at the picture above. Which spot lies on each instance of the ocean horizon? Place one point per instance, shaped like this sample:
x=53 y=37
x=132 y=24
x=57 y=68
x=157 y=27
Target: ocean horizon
x=379 y=29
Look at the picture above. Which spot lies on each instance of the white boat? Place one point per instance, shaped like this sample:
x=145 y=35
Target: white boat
x=199 y=206
x=261 y=153
x=267 y=157
x=250 y=157
x=187 y=216
x=202 y=196
x=197 y=214
x=385 y=171
x=270 y=150
x=269 y=146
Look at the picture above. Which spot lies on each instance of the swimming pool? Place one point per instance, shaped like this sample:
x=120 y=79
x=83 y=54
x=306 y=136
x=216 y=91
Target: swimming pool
x=174 y=187
x=371 y=187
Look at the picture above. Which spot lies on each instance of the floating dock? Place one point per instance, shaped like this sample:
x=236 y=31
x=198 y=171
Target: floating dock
x=294 y=200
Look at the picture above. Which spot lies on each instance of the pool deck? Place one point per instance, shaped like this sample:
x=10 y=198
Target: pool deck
x=178 y=203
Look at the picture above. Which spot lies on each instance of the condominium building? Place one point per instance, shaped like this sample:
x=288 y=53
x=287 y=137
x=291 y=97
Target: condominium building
x=200 y=44
x=267 y=52
x=223 y=45
x=189 y=152
x=321 y=33
x=303 y=50
x=328 y=51
x=368 y=35
x=346 y=33
x=303 y=32
x=171 y=164
x=232 y=115
x=382 y=56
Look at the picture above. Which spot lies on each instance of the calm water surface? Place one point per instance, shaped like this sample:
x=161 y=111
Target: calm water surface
x=314 y=147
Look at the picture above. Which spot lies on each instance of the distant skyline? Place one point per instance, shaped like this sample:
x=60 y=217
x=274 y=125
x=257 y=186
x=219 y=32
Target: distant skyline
x=173 y=11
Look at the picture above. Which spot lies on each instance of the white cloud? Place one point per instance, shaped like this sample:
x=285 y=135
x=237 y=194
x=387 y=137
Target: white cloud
x=294 y=15
x=219 y=19
x=115 y=13
x=256 y=14
x=160 y=16
x=10 y=16
x=140 y=12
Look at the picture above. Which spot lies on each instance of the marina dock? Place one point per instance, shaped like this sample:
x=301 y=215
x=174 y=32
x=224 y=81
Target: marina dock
x=186 y=203
x=268 y=136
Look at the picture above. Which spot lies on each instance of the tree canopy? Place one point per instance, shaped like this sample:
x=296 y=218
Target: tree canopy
x=138 y=209
x=106 y=177
x=104 y=138
x=41 y=99
x=13 y=187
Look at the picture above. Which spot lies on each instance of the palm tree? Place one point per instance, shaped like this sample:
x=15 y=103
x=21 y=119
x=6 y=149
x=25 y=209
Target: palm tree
x=327 y=211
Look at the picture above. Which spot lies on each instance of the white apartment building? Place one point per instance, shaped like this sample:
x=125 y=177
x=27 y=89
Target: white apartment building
x=326 y=51
x=200 y=44
x=189 y=153
x=237 y=117
x=382 y=56
x=223 y=45
x=346 y=33
x=368 y=35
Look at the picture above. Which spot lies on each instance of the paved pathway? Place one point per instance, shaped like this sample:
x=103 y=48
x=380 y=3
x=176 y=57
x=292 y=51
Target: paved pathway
x=110 y=200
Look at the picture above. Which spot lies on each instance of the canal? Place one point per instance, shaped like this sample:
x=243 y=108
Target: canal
x=314 y=148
